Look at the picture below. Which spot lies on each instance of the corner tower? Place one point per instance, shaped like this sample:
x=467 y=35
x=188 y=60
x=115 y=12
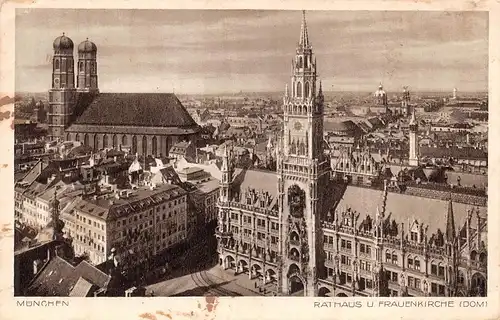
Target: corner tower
x=303 y=172
x=62 y=93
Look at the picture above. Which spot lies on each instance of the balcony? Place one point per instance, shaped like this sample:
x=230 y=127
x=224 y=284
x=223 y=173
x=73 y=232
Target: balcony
x=346 y=250
x=329 y=246
x=330 y=263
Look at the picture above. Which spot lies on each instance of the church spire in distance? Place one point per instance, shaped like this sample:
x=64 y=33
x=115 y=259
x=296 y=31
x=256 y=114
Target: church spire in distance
x=304 y=36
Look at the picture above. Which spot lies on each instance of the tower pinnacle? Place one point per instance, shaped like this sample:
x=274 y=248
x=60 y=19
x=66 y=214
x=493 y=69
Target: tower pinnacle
x=304 y=36
x=450 y=222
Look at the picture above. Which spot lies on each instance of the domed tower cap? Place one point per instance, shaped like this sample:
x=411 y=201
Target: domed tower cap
x=87 y=46
x=63 y=43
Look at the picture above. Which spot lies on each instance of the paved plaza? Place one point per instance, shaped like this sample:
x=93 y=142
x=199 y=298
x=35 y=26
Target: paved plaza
x=213 y=281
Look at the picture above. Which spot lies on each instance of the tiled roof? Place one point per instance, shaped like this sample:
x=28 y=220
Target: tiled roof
x=81 y=289
x=403 y=208
x=258 y=180
x=58 y=278
x=136 y=109
x=453 y=152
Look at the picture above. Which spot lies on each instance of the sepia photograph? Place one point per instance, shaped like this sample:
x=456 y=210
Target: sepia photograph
x=167 y=153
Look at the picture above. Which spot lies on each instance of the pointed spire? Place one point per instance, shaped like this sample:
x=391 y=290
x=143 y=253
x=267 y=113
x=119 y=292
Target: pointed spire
x=304 y=36
x=450 y=222
x=320 y=88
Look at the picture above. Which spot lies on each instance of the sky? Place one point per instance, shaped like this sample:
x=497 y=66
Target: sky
x=226 y=51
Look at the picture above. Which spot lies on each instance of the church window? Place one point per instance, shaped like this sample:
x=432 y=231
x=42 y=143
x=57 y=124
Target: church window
x=300 y=62
x=86 y=139
x=115 y=141
x=96 y=142
x=124 y=140
x=154 y=146
x=144 y=145
x=299 y=89
x=105 y=141
x=80 y=66
x=134 y=144
x=57 y=66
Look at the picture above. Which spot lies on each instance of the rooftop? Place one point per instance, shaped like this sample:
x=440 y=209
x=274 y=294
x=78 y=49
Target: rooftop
x=136 y=109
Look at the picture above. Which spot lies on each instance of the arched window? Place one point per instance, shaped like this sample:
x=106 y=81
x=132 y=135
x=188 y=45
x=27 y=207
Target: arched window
x=300 y=62
x=307 y=90
x=86 y=139
x=96 y=142
x=461 y=278
x=77 y=137
x=115 y=141
x=473 y=255
x=134 y=144
x=57 y=66
x=299 y=89
x=80 y=66
x=124 y=140
x=154 y=146
x=482 y=258
x=105 y=141
x=144 y=145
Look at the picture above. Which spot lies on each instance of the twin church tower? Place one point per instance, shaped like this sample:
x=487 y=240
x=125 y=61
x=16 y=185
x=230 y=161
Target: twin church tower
x=63 y=96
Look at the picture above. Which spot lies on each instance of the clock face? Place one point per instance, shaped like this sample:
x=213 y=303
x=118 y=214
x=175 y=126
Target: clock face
x=297 y=126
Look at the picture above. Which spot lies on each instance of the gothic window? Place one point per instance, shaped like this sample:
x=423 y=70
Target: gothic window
x=434 y=269
x=461 y=278
x=482 y=258
x=124 y=140
x=300 y=62
x=307 y=90
x=144 y=145
x=96 y=142
x=57 y=66
x=115 y=141
x=86 y=139
x=77 y=137
x=134 y=144
x=105 y=141
x=299 y=89
x=154 y=146
x=416 y=263
x=80 y=66
x=473 y=255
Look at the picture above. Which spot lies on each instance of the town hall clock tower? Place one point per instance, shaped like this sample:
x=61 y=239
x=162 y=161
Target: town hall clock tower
x=303 y=172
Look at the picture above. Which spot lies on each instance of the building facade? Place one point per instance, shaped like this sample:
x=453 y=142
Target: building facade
x=308 y=232
x=134 y=225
